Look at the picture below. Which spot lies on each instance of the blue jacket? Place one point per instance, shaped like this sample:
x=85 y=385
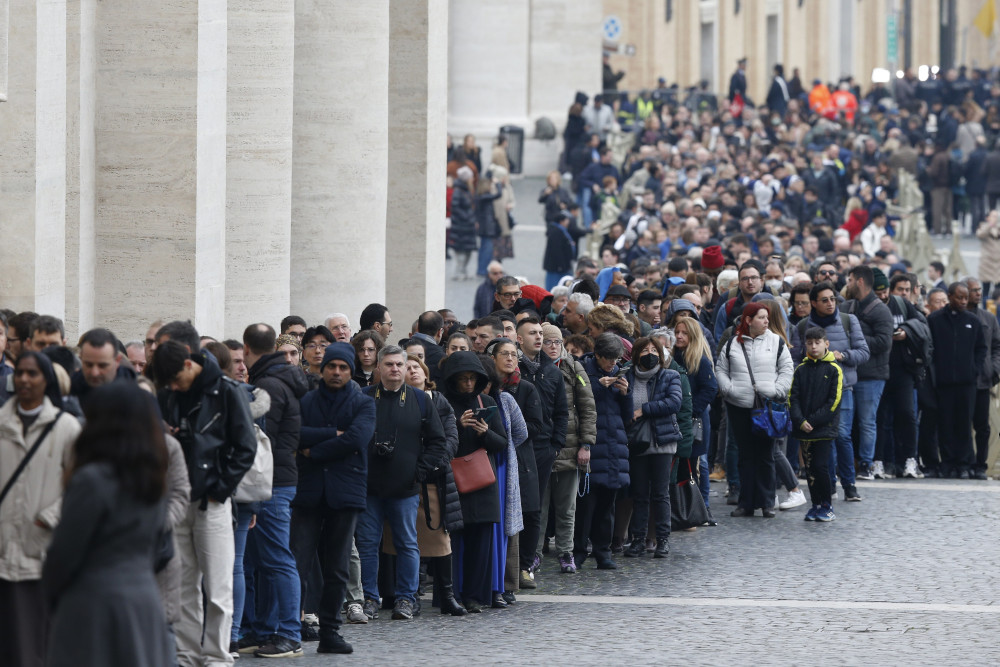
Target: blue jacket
x=851 y=344
x=664 y=398
x=336 y=470
x=595 y=173
x=704 y=387
x=609 y=454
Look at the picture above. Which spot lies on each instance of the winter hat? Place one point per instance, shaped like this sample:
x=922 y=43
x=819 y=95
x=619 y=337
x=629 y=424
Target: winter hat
x=880 y=282
x=618 y=290
x=549 y=332
x=286 y=339
x=711 y=257
x=339 y=351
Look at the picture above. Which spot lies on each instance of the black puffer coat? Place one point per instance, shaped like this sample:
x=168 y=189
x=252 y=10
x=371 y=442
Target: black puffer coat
x=463 y=218
x=286 y=385
x=452 y=503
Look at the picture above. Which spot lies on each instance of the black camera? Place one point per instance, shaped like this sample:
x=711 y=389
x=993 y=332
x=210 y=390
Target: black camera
x=384 y=449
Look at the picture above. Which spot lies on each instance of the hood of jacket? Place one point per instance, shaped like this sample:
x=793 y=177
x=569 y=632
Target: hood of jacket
x=462 y=362
x=275 y=365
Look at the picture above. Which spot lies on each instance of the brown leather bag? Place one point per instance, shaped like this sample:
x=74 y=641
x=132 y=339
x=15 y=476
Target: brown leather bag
x=473 y=471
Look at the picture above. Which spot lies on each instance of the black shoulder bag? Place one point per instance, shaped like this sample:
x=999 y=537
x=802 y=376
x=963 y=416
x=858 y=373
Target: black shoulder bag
x=27 y=458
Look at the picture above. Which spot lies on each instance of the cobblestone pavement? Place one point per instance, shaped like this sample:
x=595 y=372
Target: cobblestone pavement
x=909 y=575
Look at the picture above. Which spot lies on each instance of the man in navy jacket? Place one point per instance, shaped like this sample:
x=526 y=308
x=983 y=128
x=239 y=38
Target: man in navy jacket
x=338 y=422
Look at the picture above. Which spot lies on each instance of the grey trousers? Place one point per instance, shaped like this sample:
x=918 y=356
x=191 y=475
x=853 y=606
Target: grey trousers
x=561 y=490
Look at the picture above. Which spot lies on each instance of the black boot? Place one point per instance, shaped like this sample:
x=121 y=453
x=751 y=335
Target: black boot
x=442 y=574
x=637 y=549
x=661 y=549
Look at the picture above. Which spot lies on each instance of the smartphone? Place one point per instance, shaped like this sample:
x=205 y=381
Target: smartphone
x=623 y=370
x=485 y=414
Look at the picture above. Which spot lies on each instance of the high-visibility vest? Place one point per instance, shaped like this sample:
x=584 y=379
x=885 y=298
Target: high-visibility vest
x=645 y=108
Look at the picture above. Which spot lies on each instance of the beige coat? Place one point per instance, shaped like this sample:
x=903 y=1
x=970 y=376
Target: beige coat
x=989 y=258
x=37 y=493
x=178 y=499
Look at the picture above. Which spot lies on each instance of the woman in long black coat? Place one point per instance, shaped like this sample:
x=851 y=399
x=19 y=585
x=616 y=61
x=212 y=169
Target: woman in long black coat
x=99 y=572
x=463 y=223
x=463 y=381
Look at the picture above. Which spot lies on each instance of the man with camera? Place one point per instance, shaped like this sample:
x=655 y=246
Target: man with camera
x=408 y=448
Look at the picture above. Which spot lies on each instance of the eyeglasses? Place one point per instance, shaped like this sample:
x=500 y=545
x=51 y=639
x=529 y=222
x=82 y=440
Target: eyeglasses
x=826 y=272
x=555 y=342
x=508 y=355
x=387 y=324
x=316 y=346
x=516 y=294
x=750 y=279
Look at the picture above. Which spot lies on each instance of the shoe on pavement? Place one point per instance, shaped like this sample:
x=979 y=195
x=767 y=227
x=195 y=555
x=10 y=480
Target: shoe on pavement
x=280 y=647
x=811 y=514
x=851 y=494
x=662 y=549
x=980 y=475
x=733 y=496
x=310 y=619
x=825 y=514
x=566 y=564
x=637 y=549
x=356 y=613
x=767 y=512
x=371 y=608
x=878 y=470
x=864 y=471
x=963 y=474
x=509 y=597
x=911 y=471
x=717 y=474
x=834 y=496
x=234 y=650
x=932 y=473
x=402 y=610
x=249 y=644
x=332 y=642
x=607 y=565
x=527 y=580
x=310 y=633
x=795 y=499
x=740 y=511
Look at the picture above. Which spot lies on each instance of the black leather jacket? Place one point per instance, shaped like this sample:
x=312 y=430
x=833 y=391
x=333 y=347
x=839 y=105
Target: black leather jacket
x=215 y=430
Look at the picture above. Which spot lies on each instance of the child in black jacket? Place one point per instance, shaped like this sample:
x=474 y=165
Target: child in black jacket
x=817 y=388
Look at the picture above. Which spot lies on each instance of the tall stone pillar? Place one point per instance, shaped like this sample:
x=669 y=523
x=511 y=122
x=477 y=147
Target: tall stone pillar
x=488 y=65
x=418 y=89
x=339 y=157
x=161 y=164
x=259 y=162
x=33 y=169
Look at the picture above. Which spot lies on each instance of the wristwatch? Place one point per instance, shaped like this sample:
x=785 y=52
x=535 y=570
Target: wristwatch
x=586 y=447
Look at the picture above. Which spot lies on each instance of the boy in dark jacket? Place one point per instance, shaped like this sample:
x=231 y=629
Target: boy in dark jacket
x=815 y=411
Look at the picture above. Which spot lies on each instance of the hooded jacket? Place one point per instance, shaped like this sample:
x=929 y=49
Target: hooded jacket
x=482 y=506
x=581 y=426
x=214 y=429
x=335 y=474
x=772 y=369
x=876 y=323
x=817 y=389
x=548 y=380
x=609 y=465
x=286 y=385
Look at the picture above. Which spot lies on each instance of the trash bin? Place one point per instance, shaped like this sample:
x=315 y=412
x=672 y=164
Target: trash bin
x=515 y=146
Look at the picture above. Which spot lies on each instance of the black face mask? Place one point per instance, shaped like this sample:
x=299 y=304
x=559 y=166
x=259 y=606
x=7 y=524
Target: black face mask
x=649 y=361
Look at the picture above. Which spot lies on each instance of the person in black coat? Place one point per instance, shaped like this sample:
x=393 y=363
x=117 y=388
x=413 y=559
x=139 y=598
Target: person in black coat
x=960 y=350
x=777 y=96
x=814 y=408
x=738 y=81
x=975 y=181
x=560 y=249
x=609 y=463
x=464 y=380
x=338 y=422
x=463 y=223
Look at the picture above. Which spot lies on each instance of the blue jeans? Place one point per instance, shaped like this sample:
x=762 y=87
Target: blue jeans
x=552 y=279
x=869 y=394
x=485 y=254
x=244 y=513
x=842 y=452
x=401 y=513
x=583 y=199
x=279 y=590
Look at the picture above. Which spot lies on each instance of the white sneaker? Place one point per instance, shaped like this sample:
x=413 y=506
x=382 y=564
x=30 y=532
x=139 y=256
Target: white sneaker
x=911 y=470
x=878 y=470
x=795 y=499
x=311 y=619
x=833 y=496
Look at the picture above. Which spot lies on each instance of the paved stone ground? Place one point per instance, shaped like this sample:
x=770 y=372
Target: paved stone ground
x=909 y=575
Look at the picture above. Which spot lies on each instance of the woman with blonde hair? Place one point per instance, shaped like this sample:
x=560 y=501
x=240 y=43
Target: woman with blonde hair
x=693 y=354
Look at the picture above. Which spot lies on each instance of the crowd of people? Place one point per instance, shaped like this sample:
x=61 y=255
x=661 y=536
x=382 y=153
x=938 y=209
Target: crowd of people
x=725 y=302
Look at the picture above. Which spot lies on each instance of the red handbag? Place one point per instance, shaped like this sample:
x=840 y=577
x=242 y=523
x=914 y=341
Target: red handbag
x=474 y=471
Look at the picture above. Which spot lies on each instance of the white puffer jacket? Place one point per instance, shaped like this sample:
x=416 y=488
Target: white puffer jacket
x=772 y=369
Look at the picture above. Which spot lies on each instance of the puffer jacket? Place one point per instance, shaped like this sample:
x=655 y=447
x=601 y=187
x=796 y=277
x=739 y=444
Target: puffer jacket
x=664 y=399
x=685 y=414
x=452 y=504
x=37 y=493
x=178 y=492
x=609 y=456
x=876 y=324
x=772 y=369
x=286 y=385
x=817 y=388
x=581 y=428
x=851 y=344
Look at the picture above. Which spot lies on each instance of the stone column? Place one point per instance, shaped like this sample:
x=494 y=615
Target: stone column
x=259 y=162
x=33 y=169
x=339 y=157
x=161 y=164
x=418 y=89
x=488 y=65
x=81 y=67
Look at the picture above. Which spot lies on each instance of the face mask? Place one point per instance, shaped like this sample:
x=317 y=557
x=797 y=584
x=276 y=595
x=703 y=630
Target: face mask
x=649 y=361
x=775 y=285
